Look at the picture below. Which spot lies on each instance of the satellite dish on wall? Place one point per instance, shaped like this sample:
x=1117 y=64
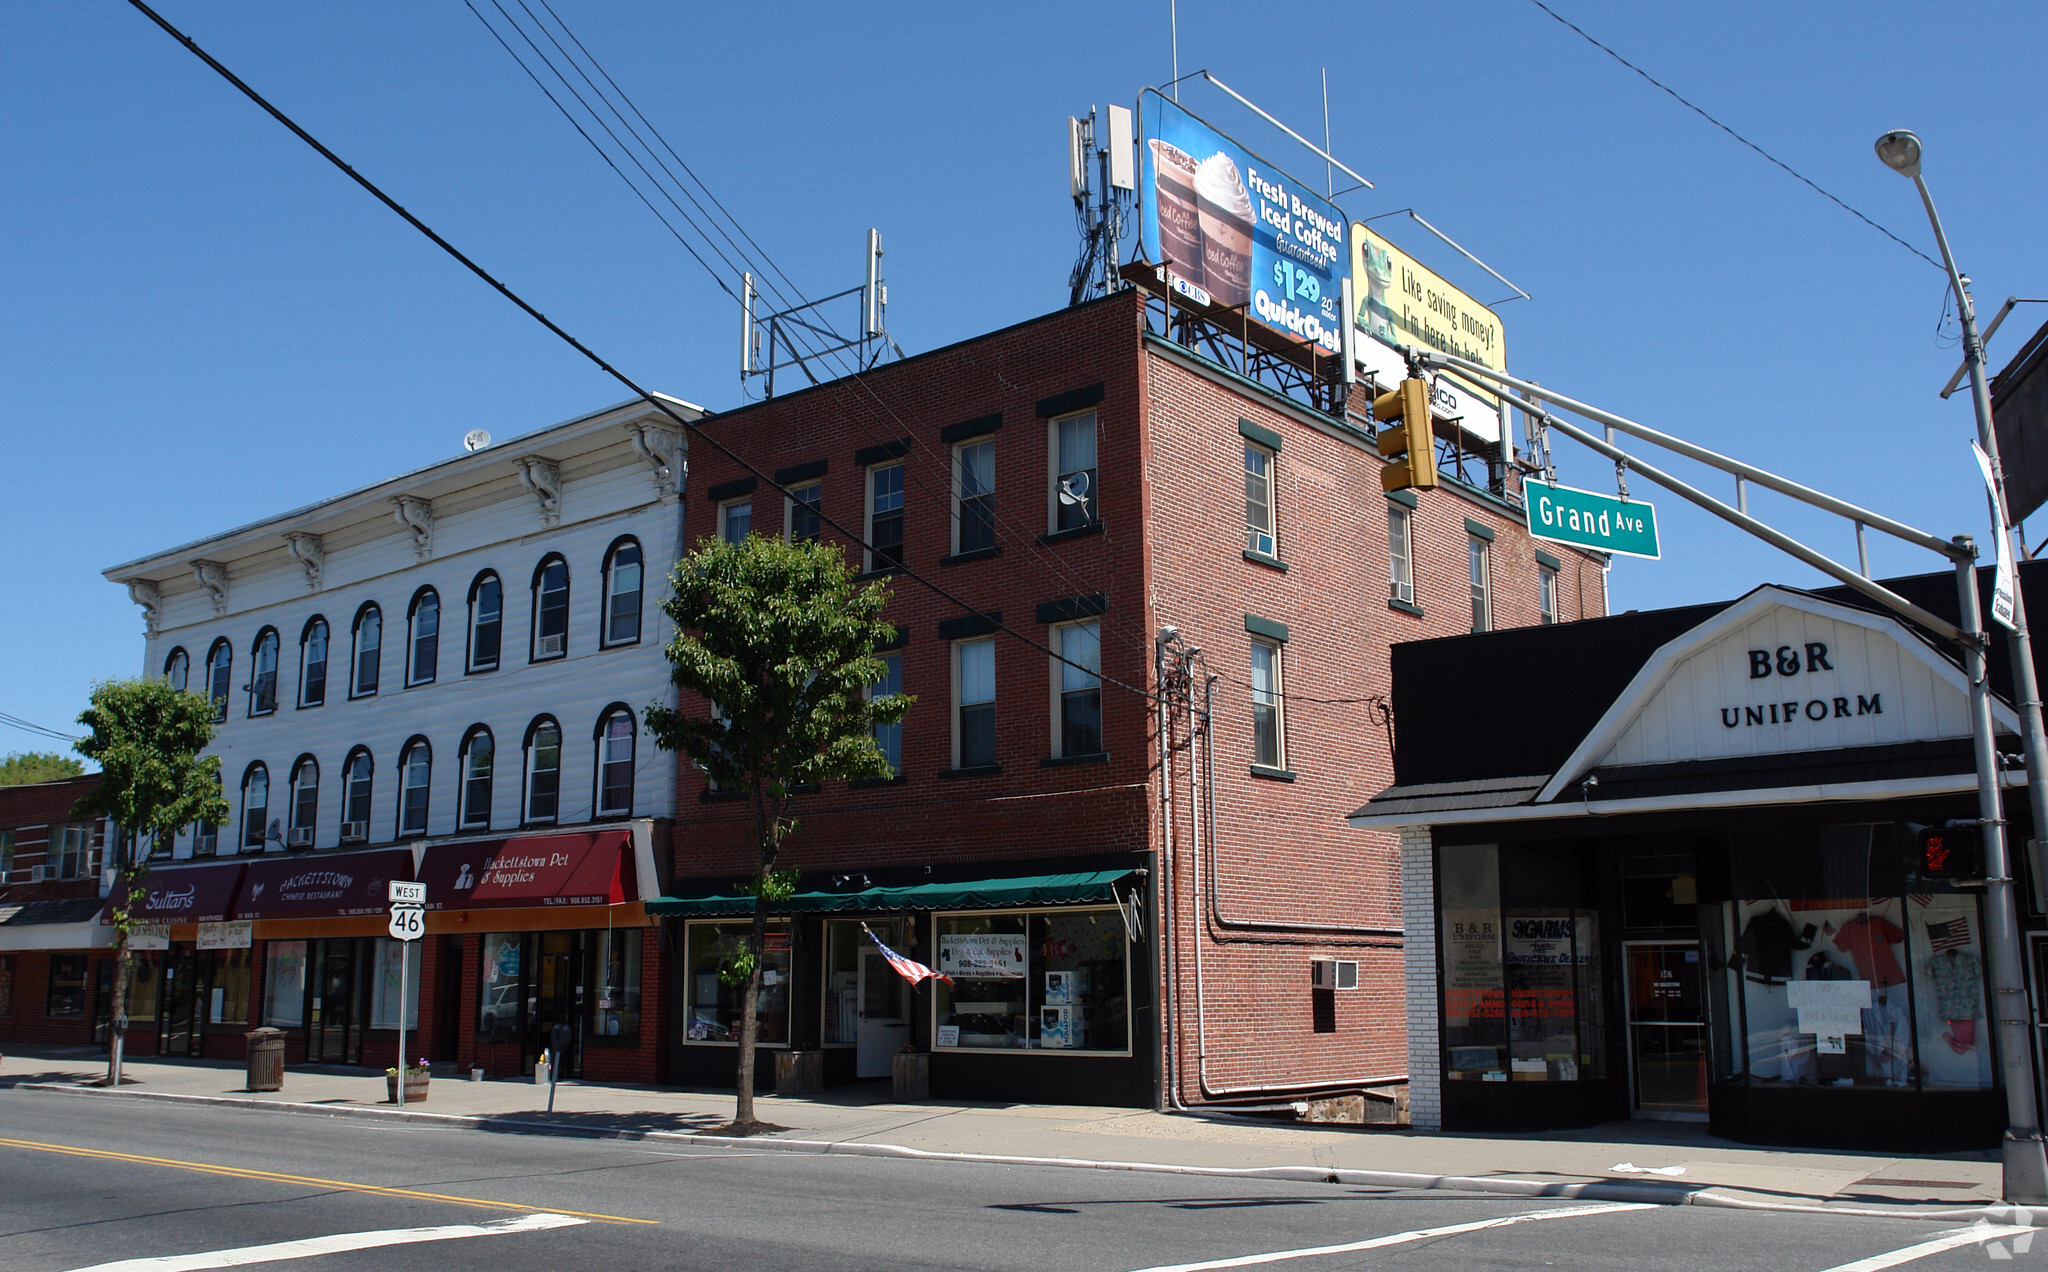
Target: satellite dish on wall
x=475 y=440
x=1074 y=490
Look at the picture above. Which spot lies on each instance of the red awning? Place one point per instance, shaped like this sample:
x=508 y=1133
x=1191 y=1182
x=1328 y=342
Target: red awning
x=537 y=870
x=182 y=894
x=322 y=887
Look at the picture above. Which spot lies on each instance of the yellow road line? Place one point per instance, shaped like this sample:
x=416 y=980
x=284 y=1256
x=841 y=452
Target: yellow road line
x=244 y=1172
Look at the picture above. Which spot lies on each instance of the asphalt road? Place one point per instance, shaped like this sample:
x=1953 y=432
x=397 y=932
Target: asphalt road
x=86 y=1182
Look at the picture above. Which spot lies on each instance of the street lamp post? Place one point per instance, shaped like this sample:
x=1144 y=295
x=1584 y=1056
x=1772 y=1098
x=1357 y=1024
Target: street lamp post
x=2026 y=1163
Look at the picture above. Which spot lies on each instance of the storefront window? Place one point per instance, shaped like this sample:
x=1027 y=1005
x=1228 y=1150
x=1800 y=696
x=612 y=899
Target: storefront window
x=227 y=974
x=6 y=984
x=616 y=1012
x=385 y=979
x=284 y=984
x=67 y=984
x=713 y=1014
x=1838 y=976
x=498 y=999
x=1475 y=996
x=1055 y=980
x=145 y=979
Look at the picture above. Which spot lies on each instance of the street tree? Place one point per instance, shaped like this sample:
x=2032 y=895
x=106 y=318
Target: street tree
x=777 y=646
x=146 y=737
x=26 y=767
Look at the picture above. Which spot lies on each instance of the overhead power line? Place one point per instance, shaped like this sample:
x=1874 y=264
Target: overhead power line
x=1702 y=113
x=27 y=726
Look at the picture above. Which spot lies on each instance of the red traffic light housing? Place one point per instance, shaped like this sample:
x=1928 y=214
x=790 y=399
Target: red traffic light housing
x=1954 y=852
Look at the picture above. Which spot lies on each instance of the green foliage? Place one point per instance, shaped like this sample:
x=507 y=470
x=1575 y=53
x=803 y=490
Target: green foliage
x=26 y=767
x=770 y=885
x=778 y=637
x=146 y=737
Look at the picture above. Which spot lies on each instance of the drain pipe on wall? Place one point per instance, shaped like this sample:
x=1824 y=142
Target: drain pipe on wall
x=1162 y=988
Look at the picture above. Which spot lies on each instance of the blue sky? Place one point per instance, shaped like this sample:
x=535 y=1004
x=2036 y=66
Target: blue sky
x=201 y=323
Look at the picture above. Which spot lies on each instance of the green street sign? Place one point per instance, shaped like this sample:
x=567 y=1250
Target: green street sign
x=1588 y=520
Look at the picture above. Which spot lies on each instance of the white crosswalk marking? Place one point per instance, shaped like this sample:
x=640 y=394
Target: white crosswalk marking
x=1404 y=1238
x=1947 y=1241
x=313 y=1246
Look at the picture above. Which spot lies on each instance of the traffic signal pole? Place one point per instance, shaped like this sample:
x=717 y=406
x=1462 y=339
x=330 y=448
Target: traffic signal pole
x=2025 y=1161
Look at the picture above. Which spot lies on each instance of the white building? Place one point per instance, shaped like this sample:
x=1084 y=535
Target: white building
x=461 y=654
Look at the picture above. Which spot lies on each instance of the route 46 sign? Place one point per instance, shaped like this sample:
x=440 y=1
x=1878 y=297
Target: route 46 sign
x=1589 y=520
x=408 y=910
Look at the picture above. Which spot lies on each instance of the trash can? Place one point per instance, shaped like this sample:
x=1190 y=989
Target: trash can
x=266 y=1059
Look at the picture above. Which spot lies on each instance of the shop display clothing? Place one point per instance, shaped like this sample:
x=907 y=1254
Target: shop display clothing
x=1957 y=980
x=1867 y=940
x=1766 y=944
x=1888 y=1036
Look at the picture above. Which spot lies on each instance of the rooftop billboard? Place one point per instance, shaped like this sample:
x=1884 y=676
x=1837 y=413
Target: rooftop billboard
x=1237 y=230
x=1401 y=301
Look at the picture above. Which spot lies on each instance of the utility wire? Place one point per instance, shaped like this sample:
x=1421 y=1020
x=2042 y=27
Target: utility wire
x=692 y=427
x=26 y=726
x=1689 y=105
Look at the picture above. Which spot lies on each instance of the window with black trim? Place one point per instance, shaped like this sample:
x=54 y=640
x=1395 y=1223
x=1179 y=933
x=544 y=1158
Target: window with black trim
x=885 y=517
x=801 y=516
x=486 y=621
x=889 y=737
x=479 y=756
x=220 y=665
x=357 y=779
x=622 y=584
x=368 y=643
x=313 y=662
x=1077 y=689
x=1269 y=733
x=543 y=770
x=615 y=736
x=1258 y=501
x=415 y=783
x=1481 y=563
x=974 y=698
x=1400 y=555
x=550 y=609
x=305 y=803
x=974 y=495
x=178 y=668
x=263 y=673
x=423 y=637
x=1073 y=498
x=255 y=806
x=1546 y=594
x=736 y=519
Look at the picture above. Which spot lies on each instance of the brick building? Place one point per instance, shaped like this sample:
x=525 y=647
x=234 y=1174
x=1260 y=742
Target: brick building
x=1213 y=547
x=53 y=951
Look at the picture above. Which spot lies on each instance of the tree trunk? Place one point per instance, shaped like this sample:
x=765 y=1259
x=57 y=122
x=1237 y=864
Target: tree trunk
x=750 y=1000
x=117 y=1023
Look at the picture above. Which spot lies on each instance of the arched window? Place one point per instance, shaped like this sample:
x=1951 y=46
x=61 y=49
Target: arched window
x=305 y=803
x=369 y=644
x=543 y=800
x=356 y=778
x=178 y=668
x=423 y=637
x=615 y=732
x=313 y=662
x=486 y=621
x=255 y=806
x=263 y=680
x=415 y=777
x=622 y=593
x=220 y=662
x=479 y=760
x=551 y=608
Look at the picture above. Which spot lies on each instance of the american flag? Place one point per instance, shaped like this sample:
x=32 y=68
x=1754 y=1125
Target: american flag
x=1952 y=935
x=909 y=969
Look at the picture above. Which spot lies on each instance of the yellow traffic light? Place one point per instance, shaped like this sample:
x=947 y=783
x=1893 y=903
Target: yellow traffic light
x=1406 y=408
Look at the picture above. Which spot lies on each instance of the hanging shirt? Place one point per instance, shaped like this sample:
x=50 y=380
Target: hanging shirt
x=1957 y=980
x=1767 y=943
x=1867 y=940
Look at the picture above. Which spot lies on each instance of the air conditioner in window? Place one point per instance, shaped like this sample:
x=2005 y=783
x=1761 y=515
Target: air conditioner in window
x=355 y=832
x=1333 y=973
x=37 y=874
x=299 y=837
x=550 y=646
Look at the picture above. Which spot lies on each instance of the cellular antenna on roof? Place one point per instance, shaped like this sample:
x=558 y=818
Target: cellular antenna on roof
x=1103 y=181
x=803 y=335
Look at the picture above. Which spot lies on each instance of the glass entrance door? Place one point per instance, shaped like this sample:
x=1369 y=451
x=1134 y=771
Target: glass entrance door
x=334 y=1029
x=884 y=1014
x=179 y=1033
x=555 y=992
x=1667 y=1029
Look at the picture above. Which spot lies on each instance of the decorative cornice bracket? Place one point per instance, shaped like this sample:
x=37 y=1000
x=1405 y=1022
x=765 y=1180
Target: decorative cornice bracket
x=544 y=478
x=150 y=597
x=665 y=452
x=306 y=549
x=417 y=516
x=213 y=576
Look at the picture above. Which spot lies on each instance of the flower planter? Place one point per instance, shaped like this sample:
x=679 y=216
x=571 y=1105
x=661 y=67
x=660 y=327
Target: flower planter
x=415 y=1087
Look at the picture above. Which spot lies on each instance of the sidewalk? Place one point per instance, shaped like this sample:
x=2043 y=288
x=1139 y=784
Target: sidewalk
x=862 y=1119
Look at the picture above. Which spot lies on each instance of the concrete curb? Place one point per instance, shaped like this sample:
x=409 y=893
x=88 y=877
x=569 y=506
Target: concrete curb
x=1597 y=1190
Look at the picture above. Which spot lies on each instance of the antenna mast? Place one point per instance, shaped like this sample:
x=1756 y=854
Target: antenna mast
x=802 y=335
x=1102 y=180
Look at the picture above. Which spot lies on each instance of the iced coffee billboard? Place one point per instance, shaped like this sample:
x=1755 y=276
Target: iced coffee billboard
x=1236 y=229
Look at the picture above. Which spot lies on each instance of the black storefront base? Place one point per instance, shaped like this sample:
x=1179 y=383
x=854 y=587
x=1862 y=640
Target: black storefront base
x=1035 y=1077
x=1530 y=1106
x=1861 y=1119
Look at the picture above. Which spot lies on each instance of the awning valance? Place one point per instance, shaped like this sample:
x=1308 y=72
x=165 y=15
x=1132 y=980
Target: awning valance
x=969 y=894
x=321 y=887
x=590 y=868
x=181 y=894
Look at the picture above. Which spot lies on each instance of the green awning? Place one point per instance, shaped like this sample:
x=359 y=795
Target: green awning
x=970 y=894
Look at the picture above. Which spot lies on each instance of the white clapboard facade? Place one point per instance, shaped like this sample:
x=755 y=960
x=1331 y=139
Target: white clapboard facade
x=394 y=584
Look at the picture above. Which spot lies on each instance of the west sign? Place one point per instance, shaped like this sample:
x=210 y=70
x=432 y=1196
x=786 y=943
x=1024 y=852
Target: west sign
x=1586 y=519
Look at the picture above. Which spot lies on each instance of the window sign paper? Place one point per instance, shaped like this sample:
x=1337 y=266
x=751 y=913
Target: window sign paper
x=982 y=954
